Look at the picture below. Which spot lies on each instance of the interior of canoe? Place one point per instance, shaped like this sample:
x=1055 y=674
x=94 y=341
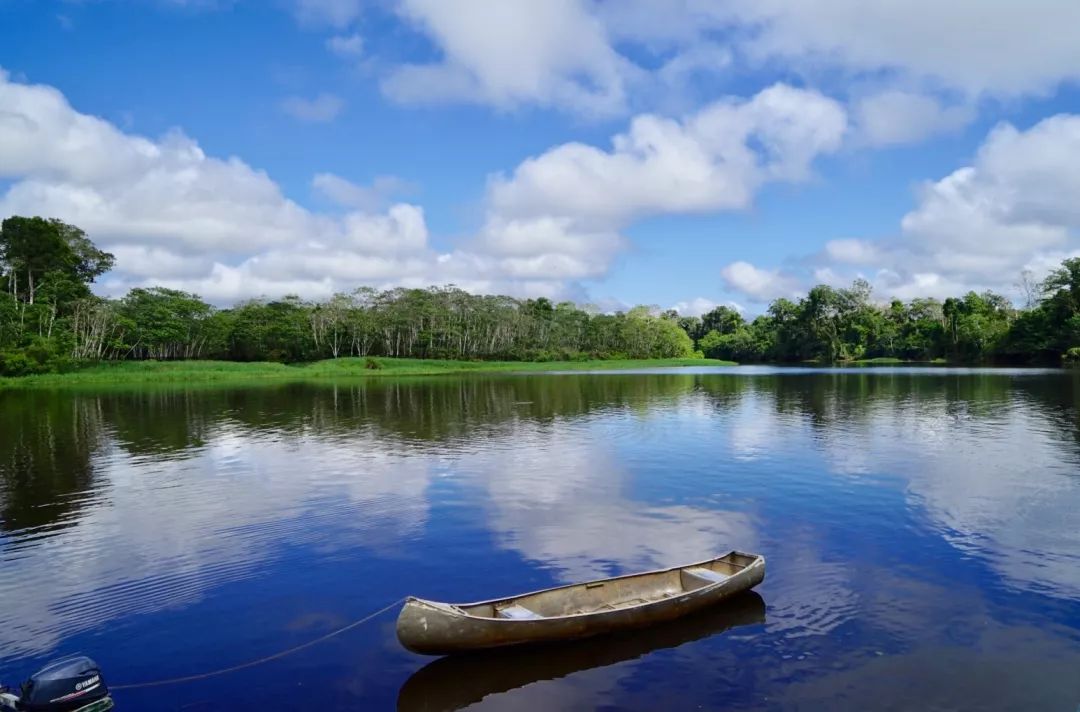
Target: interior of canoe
x=613 y=594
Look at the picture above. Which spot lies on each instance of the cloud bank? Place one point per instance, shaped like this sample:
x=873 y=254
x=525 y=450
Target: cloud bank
x=176 y=217
x=592 y=57
x=1013 y=209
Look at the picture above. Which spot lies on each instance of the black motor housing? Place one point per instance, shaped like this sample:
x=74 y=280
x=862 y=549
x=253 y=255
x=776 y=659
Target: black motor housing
x=64 y=685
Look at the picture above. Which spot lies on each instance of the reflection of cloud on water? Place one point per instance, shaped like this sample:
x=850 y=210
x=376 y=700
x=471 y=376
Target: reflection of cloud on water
x=582 y=539
x=164 y=532
x=560 y=497
x=1012 y=506
x=753 y=426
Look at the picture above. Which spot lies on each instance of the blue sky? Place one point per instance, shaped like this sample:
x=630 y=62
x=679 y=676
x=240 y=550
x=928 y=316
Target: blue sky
x=244 y=148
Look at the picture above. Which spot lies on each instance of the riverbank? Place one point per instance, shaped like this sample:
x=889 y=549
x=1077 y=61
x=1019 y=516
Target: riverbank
x=889 y=361
x=203 y=371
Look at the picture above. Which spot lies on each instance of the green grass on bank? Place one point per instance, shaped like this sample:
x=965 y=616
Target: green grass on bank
x=204 y=371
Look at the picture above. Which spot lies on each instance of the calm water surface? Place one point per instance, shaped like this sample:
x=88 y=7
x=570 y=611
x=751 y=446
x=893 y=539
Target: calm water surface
x=922 y=530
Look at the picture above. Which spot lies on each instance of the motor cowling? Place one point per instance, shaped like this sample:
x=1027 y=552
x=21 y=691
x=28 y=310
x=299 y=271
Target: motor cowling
x=63 y=686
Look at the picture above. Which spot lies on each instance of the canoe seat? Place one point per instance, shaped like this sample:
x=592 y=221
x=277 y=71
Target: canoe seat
x=707 y=576
x=518 y=613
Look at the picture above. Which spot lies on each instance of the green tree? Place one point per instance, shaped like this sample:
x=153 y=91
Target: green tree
x=820 y=321
x=37 y=253
x=976 y=325
x=169 y=324
x=722 y=319
x=1061 y=306
x=278 y=330
x=711 y=344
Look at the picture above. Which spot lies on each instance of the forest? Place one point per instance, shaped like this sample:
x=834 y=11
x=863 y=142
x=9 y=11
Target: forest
x=51 y=321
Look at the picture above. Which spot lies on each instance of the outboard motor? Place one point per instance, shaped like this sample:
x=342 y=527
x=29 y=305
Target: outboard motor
x=72 y=684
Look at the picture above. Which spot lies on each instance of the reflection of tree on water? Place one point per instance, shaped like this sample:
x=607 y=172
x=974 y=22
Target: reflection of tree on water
x=448 y=409
x=858 y=396
x=161 y=421
x=1058 y=401
x=436 y=409
x=47 y=445
x=455 y=682
x=50 y=438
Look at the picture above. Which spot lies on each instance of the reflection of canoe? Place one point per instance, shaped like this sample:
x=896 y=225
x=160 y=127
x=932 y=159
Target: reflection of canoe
x=461 y=680
x=578 y=610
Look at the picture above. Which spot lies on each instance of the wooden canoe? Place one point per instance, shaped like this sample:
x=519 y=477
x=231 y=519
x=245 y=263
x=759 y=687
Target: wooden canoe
x=578 y=610
x=458 y=681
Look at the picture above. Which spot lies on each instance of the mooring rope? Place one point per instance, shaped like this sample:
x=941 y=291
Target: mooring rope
x=260 y=661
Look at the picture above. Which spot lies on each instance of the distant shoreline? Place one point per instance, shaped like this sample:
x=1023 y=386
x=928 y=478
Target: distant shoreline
x=208 y=372
x=125 y=372
x=888 y=361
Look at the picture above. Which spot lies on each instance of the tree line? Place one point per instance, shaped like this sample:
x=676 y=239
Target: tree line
x=51 y=321
x=831 y=325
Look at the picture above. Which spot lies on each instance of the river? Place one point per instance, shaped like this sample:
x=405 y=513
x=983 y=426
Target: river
x=921 y=527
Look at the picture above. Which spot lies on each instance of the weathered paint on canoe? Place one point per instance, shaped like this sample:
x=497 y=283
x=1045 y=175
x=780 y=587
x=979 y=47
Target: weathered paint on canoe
x=578 y=610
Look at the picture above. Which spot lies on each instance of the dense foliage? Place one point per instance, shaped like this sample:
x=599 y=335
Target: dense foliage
x=831 y=325
x=50 y=321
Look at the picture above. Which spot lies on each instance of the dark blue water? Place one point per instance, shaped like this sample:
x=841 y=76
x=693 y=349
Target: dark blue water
x=922 y=532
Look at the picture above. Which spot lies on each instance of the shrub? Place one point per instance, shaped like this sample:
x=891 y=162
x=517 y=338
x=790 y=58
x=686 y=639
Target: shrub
x=17 y=363
x=40 y=356
x=1072 y=357
x=371 y=364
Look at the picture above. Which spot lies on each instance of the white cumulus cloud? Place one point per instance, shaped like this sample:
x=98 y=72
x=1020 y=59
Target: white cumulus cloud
x=512 y=52
x=977 y=46
x=175 y=216
x=570 y=203
x=973 y=46
x=702 y=163
x=1016 y=200
x=1012 y=209
x=703 y=305
x=899 y=117
x=592 y=56
x=756 y=283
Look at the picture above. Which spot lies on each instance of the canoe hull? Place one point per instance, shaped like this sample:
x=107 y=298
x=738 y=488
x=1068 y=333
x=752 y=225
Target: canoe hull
x=434 y=628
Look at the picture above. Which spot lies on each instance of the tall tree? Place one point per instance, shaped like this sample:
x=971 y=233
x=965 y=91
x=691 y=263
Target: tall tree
x=36 y=252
